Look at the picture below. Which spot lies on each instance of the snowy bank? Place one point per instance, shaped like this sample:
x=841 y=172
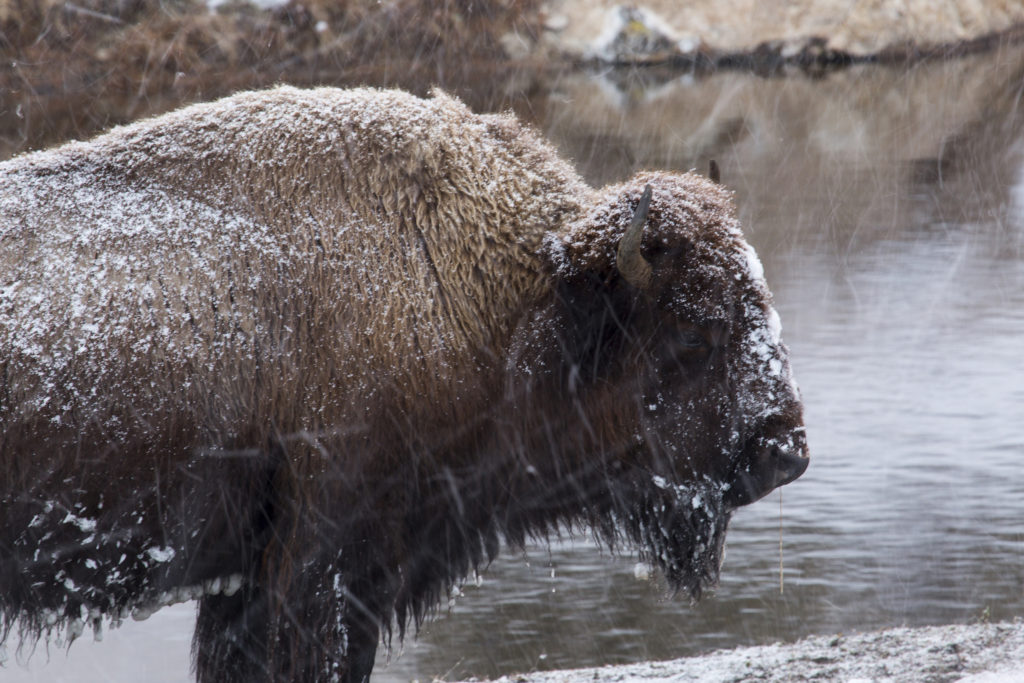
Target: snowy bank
x=809 y=31
x=981 y=653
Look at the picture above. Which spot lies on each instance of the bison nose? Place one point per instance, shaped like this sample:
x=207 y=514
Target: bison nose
x=766 y=465
x=789 y=466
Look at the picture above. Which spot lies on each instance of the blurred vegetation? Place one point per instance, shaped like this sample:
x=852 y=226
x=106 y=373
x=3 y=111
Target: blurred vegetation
x=69 y=69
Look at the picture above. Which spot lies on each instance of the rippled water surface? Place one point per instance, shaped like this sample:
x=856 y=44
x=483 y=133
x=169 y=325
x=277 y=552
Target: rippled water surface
x=888 y=208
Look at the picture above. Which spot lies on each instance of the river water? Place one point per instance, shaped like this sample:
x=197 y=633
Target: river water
x=888 y=208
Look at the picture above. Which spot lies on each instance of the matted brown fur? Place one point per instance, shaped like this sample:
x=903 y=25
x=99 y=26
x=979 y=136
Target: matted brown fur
x=327 y=347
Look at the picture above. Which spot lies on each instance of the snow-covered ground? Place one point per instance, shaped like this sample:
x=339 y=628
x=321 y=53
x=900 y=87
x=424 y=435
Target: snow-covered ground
x=982 y=653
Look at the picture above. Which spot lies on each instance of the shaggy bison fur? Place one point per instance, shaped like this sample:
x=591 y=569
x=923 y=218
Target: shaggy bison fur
x=308 y=356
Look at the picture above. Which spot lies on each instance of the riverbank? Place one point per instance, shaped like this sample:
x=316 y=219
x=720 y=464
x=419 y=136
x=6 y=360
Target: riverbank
x=70 y=70
x=812 y=33
x=979 y=653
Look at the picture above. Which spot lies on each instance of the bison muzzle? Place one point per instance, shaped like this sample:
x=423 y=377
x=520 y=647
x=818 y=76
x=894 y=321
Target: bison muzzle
x=308 y=356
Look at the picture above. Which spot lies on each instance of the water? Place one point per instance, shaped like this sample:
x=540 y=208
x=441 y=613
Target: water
x=888 y=208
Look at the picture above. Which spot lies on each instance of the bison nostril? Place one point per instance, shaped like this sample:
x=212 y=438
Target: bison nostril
x=771 y=467
x=788 y=466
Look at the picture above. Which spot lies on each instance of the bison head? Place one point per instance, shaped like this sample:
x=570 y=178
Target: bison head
x=676 y=351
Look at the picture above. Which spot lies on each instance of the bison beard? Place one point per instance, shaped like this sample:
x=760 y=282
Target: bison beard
x=309 y=357
x=681 y=532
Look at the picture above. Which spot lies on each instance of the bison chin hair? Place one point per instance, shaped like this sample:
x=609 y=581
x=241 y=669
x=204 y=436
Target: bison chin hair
x=680 y=529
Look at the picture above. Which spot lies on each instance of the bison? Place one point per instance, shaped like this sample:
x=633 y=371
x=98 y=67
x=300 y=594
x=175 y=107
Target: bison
x=308 y=356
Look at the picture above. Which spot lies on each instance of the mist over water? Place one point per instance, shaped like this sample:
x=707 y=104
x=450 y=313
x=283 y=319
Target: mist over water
x=887 y=206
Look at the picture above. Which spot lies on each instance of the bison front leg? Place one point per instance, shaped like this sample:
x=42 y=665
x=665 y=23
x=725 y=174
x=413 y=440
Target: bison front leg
x=302 y=615
x=312 y=632
x=364 y=602
x=319 y=589
x=230 y=640
x=319 y=630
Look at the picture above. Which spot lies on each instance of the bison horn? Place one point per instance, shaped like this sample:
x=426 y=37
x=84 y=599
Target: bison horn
x=633 y=267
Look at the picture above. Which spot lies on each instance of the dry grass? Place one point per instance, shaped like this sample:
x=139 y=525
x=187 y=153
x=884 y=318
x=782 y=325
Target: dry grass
x=69 y=69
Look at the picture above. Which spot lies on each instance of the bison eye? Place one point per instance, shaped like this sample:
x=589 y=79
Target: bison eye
x=686 y=345
x=686 y=348
x=692 y=339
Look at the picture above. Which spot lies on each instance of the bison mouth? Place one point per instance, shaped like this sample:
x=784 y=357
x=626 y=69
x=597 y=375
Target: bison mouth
x=680 y=528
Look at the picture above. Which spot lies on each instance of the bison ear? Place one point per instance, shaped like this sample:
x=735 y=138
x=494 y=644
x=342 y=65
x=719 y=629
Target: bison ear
x=632 y=265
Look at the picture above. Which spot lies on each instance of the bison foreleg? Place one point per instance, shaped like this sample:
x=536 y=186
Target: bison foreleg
x=301 y=636
x=230 y=640
x=298 y=621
